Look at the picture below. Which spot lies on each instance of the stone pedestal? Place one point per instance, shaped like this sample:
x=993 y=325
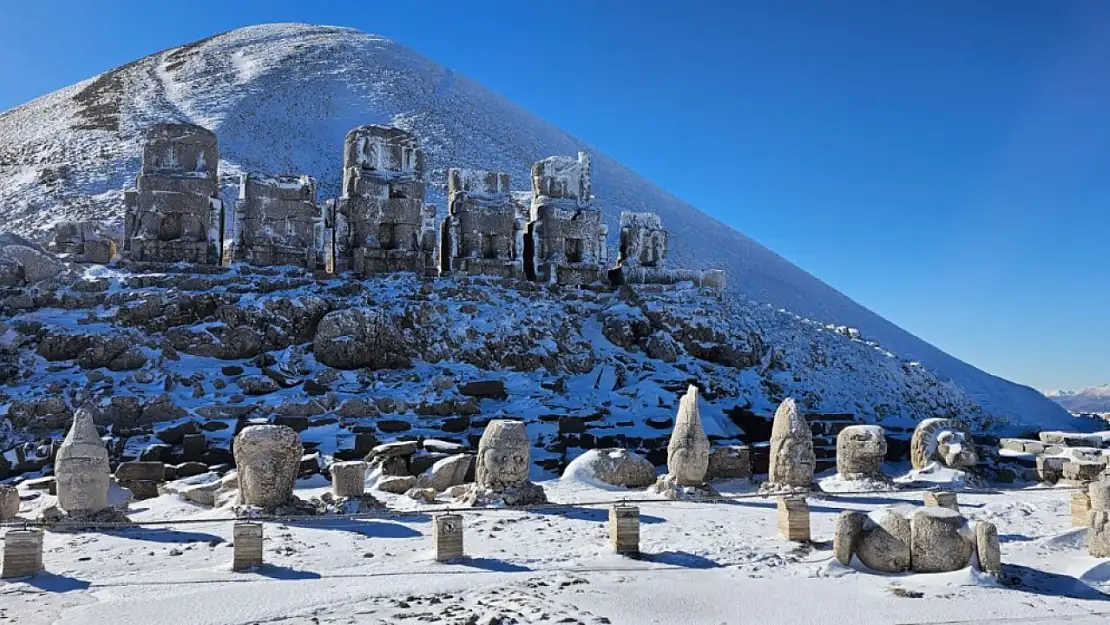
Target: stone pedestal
x=624 y=529
x=447 y=534
x=942 y=499
x=9 y=502
x=1080 y=509
x=247 y=539
x=794 y=518
x=22 y=553
x=348 y=479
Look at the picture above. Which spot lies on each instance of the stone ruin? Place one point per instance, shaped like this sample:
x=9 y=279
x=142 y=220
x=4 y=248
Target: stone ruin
x=565 y=238
x=483 y=233
x=902 y=538
x=82 y=242
x=944 y=441
x=860 y=451
x=173 y=214
x=792 y=460
x=501 y=470
x=277 y=221
x=82 y=474
x=381 y=222
x=687 y=454
x=268 y=458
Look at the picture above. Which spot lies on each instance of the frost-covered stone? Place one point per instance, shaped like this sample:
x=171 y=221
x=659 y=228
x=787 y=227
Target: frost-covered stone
x=268 y=458
x=9 y=502
x=568 y=234
x=354 y=338
x=1099 y=492
x=987 y=548
x=81 y=468
x=884 y=544
x=447 y=472
x=36 y=265
x=484 y=229
x=425 y=495
x=942 y=440
x=1083 y=470
x=849 y=528
x=397 y=485
x=276 y=220
x=688 y=449
x=792 y=459
x=1098 y=536
x=860 y=450
x=941 y=541
x=730 y=462
x=348 y=479
x=501 y=472
x=614 y=466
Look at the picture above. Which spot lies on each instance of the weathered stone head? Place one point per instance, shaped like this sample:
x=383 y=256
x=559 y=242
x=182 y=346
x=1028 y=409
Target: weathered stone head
x=504 y=453
x=792 y=459
x=268 y=457
x=942 y=440
x=81 y=467
x=688 y=450
x=860 y=450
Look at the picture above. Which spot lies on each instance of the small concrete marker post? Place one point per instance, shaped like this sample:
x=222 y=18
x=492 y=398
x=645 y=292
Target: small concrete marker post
x=247 y=537
x=1080 y=508
x=942 y=499
x=447 y=534
x=22 y=553
x=794 y=518
x=624 y=529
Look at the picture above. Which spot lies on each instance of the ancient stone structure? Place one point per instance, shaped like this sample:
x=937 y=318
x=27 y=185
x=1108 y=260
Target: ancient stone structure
x=381 y=222
x=277 y=221
x=942 y=440
x=860 y=450
x=501 y=470
x=941 y=499
x=83 y=242
x=903 y=538
x=565 y=238
x=268 y=457
x=247 y=545
x=9 y=502
x=624 y=528
x=688 y=449
x=447 y=535
x=81 y=468
x=484 y=230
x=643 y=241
x=793 y=518
x=348 y=479
x=792 y=459
x=22 y=553
x=174 y=212
x=1098 y=536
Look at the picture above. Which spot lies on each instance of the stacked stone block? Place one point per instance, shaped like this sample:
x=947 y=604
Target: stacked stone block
x=82 y=241
x=247 y=545
x=22 y=553
x=447 y=535
x=484 y=230
x=624 y=529
x=381 y=221
x=277 y=220
x=173 y=214
x=567 y=234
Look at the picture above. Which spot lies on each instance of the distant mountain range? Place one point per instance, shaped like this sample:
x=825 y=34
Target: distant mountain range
x=1093 y=399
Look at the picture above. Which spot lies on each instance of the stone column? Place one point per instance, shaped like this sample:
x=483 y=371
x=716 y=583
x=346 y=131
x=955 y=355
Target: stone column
x=794 y=518
x=447 y=534
x=247 y=542
x=22 y=553
x=348 y=479
x=624 y=528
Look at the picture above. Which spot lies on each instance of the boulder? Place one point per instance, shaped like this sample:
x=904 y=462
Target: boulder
x=849 y=527
x=448 y=472
x=426 y=495
x=940 y=541
x=355 y=338
x=494 y=389
x=348 y=479
x=175 y=435
x=730 y=462
x=860 y=450
x=133 y=471
x=884 y=542
x=268 y=458
x=614 y=466
x=37 y=264
x=397 y=485
x=987 y=548
x=257 y=385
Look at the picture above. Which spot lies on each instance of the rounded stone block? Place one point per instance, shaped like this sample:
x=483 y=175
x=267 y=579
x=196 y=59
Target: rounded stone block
x=849 y=528
x=939 y=542
x=348 y=479
x=884 y=543
x=860 y=450
x=268 y=458
x=988 y=548
x=504 y=453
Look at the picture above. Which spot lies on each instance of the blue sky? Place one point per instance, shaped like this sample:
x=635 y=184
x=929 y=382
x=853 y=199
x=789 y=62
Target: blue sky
x=945 y=163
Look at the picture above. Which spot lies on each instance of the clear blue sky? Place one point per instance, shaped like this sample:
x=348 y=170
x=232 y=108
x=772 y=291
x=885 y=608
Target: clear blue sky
x=946 y=163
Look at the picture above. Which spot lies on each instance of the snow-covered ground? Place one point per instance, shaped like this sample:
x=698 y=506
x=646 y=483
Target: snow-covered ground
x=701 y=563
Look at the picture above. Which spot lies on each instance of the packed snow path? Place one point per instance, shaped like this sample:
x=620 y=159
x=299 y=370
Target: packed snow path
x=705 y=563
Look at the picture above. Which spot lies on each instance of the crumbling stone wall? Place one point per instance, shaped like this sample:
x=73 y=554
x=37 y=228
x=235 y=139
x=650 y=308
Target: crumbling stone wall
x=83 y=242
x=173 y=214
x=381 y=221
x=643 y=241
x=484 y=230
x=276 y=220
x=568 y=235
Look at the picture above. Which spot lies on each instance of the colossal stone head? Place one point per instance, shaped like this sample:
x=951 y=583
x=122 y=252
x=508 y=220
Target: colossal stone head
x=504 y=452
x=268 y=458
x=81 y=467
x=946 y=441
x=688 y=449
x=792 y=459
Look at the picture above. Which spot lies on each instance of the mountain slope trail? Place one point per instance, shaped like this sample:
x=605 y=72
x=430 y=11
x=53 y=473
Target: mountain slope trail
x=281 y=98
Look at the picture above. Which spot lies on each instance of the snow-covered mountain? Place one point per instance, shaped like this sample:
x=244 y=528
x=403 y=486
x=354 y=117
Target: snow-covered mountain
x=281 y=98
x=1093 y=399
